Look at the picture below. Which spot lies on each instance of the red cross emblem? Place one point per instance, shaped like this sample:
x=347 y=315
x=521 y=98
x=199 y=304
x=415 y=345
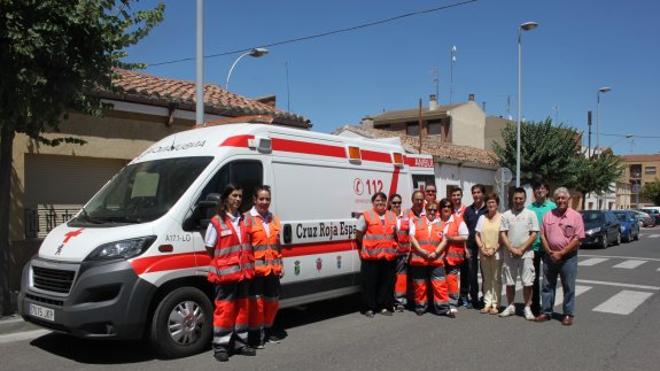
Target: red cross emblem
x=72 y=234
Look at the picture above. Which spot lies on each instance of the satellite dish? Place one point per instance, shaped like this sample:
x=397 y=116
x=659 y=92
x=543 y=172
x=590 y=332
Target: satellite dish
x=503 y=176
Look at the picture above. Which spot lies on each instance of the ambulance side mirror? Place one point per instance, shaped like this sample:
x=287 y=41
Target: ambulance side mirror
x=204 y=211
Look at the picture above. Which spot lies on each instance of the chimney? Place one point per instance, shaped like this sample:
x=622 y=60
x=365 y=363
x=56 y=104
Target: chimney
x=433 y=102
x=471 y=98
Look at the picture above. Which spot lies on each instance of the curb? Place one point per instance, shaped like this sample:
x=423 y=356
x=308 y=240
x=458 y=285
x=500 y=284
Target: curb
x=22 y=336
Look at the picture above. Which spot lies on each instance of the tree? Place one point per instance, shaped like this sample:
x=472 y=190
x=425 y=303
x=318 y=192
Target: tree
x=53 y=54
x=597 y=174
x=547 y=152
x=651 y=191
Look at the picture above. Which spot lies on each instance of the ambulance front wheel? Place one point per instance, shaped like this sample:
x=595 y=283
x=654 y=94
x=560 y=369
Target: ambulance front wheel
x=182 y=323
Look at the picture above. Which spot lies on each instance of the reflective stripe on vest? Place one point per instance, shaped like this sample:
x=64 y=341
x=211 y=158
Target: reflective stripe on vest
x=428 y=241
x=403 y=235
x=379 y=240
x=267 y=255
x=455 y=251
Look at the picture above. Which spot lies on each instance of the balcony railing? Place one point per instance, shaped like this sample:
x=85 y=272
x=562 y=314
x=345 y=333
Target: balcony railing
x=41 y=220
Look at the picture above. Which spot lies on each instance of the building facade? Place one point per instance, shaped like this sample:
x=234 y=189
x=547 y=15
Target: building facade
x=639 y=170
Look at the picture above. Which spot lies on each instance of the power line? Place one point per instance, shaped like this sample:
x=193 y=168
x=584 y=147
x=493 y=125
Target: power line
x=630 y=136
x=322 y=34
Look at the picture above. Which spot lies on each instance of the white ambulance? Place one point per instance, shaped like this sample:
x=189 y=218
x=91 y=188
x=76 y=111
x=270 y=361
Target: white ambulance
x=132 y=262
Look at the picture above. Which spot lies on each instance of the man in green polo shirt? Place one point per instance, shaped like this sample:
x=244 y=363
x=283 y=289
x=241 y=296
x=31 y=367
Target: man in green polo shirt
x=540 y=206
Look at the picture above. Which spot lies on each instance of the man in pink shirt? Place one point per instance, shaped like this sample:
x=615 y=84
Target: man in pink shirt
x=561 y=232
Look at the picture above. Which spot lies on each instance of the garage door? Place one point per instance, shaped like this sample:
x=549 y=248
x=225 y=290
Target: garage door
x=65 y=180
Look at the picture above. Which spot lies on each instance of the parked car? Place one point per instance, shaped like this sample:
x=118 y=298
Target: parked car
x=654 y=212
x=644 y=219
x=629 y=225
x=602 y=228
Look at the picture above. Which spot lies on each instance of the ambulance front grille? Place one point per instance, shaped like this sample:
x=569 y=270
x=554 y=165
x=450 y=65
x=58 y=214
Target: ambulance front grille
x=56 y=280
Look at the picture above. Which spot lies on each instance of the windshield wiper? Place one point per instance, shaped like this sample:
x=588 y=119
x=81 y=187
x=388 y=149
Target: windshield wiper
x=90 y=218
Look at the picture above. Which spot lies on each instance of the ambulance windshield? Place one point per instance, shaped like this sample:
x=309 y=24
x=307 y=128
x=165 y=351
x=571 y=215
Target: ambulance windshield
x=141 y=192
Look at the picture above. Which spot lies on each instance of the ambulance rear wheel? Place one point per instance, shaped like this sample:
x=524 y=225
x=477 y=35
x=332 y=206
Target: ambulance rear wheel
x=182 y=323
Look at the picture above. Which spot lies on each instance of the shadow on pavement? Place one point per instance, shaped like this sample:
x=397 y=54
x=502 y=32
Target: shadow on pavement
x=315 y=312
x=94 y=351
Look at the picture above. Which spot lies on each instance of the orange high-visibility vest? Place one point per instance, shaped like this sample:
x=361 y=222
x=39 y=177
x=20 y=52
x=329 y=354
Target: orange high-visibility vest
x=232 y=261
x=379 y=240
x=267 y=252
x=455 y=251
x=427 y=241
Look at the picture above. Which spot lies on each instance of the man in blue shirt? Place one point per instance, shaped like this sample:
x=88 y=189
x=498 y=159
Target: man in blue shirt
x=540 y=206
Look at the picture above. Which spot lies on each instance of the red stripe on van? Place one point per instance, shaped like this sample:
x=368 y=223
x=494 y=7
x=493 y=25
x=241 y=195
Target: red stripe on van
x=395 y=181
x=296 y=146
x=376 y=156
x=315 y=248
x=237 y=141
x=159 y=263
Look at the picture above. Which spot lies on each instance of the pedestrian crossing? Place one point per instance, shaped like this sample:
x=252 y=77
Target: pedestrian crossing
x=624 y=302
x=618 y=262
x=652 y=235
x=630 y=264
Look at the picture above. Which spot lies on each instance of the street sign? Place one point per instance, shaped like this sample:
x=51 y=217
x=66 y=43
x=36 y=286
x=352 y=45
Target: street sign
x=503 y=176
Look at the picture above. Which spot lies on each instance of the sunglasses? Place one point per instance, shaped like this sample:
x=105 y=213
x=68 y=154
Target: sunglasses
x=396 y=203
x=430 y=191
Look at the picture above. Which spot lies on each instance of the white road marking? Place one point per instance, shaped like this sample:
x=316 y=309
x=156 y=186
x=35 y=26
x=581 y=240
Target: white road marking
x=617 y=284
x=630 y=264
x=20 y=336
x=559 y=294
x=654 y=236
x=620 y=257
x=592 y=261
x=624 y=302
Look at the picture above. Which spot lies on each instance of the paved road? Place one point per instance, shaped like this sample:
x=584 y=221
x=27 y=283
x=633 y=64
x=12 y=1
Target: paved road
x=616 y=328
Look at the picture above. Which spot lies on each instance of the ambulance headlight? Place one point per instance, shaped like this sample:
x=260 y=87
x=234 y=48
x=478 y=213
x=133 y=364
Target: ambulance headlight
x=124 y=249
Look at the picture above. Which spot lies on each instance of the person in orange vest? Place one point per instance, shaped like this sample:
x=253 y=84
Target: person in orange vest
x=456 y=233
x=231 y=270
x=376 y=237
x=426 y=264
x=403 y=253
x=263 y=230
x=401 y=284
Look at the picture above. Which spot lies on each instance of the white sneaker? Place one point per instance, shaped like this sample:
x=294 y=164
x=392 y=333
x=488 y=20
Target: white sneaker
x=509 y=311
x=453 y=310
x=528 y=314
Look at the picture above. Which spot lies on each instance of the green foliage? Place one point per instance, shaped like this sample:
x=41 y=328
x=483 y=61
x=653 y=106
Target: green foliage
x=598 y=173
x=651 y=191
x=54 y=53
x=547 y=152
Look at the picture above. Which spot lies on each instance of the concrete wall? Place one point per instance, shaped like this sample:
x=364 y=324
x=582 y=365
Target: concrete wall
x=493 y=132
x=468 y=125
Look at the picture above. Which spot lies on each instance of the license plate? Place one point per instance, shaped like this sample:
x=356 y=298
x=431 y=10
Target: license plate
x=42 y=312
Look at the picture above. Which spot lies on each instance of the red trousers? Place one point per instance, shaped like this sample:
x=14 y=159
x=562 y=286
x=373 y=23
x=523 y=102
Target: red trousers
x=230 y=317
x=401 y=281
x=422 y=276
x=452 y=272
x=264 y=303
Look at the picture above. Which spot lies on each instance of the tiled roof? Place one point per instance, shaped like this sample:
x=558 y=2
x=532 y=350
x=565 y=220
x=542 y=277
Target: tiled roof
x=413 y=113
x=640 y=158
x=144 y=88
x=432 y=146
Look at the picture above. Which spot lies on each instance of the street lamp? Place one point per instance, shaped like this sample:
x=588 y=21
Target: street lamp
x=603 y=89
x=254 y=52
x=527 y=26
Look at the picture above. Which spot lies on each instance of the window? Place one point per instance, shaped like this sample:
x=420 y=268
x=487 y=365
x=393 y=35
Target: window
x=649 y=170
x=412 y=128
x=421 y=181
x=591 y=205
x=635 y=171
x=248 y=174
x=434 y=127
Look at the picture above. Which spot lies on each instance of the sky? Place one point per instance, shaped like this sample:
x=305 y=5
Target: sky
x=336 y=80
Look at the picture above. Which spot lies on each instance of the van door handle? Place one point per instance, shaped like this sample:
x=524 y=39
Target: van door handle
x=287 y=234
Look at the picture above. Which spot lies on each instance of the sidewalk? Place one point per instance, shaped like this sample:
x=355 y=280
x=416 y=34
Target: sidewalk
x=14 y=328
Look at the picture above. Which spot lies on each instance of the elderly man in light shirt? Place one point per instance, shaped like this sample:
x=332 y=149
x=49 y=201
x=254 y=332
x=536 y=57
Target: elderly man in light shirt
x=562 y=230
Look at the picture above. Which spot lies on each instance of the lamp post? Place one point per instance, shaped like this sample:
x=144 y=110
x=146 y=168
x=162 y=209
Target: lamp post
x=527 y=26
x=254 y=52
x=199 y=65
x=603 y=89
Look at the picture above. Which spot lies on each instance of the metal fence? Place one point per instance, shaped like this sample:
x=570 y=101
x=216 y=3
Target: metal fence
x=40 y=221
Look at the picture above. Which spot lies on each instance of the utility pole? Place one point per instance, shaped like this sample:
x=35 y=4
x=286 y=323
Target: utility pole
x=452 y=54
x=421 y=123
x=589 y=136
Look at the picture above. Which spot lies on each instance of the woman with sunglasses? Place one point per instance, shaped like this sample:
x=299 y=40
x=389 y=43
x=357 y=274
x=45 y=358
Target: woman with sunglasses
x=376 y=237
x=403 y=253
x=426 y=265
x=454 y=233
